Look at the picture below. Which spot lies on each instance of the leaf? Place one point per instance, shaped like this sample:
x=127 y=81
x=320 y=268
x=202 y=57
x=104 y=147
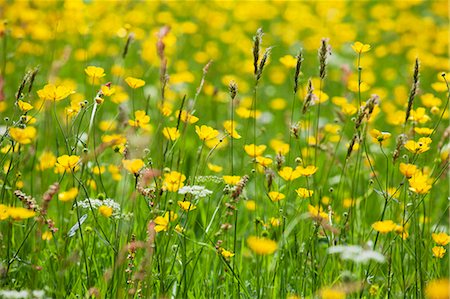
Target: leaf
x=77 y=225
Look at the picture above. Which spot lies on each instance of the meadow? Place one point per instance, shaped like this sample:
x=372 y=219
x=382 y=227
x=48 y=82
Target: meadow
x=224 y=149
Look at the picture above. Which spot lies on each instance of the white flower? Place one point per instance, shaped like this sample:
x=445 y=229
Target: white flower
x=195 y=190
x=356 y=253
x=96 y=203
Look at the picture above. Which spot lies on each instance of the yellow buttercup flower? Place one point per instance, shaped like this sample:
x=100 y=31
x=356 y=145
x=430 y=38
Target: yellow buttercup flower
x=94 y=72
x=420 y=146
x=384 y=226
x=206 y=133
x=254 y=150
x=304 y=193
x=419 y=183
x=19 y=213
x=133 y=166
x=68 y=195
x=438 y=289
x=230 y=128
x=173 y=181
x=438 y=251
x=215 y=168
x=186 y=205
x=134 y=82
x=261 y=246
x=289 y=61
x=279 y=147
x=52 y=92
x=379 y=136
x=68 y=163
x=107 y=90
x=263 y=161
x=306 y=171
x=23 y=136
x=171 y=133
x=105 y=211
x=441 y=238
x=288 y=174
x=186 y=117
x=24 y=106
x=359 y=47
x=141 y=119
x=162 y=222
x=231 y=179
x=47 y=236
x=225 y=253
x=276 y=196
x=408 y=170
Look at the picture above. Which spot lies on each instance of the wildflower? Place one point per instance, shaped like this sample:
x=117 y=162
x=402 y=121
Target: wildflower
x=134 y=82
x=279 y=147
x=250 y=205
x=186 y=117
x=23 y=136
x=231 y=179
x=288 y=61
x=359 y=47
x=94 y=72
x=306 y=171
x=68 y=195
x=107 y=90
x=133 y=166
x=419 y=183
x=89 y=203
x=206 y=133
x=384 y=226
x=162 y=222
x=332 y=293
x=195 y=190
x=423 y=131
x=173 y=181
x=438 y=289
x=171 y=133
x=19 y=213
x=401 y=230
x=254 y=150
x=276 y=196
x=47 y=236
x=186 y=205
x=379 y=136
x=441 y=238
x=179 y=229
x=215 y=168
x=24 y=106
x=225 y=253
x=408 y=170
x=115 y=172
x=141 y=119
x=67 y=163
x=438 y=251
x=263 y=161
x=3 y=212
x=317 y=212
x=304 y=193
x=261 y=246
x=418 y=147
x=52 y=92
x=356 y=253
x=105 y=211
x=230 y=127
x=288 y=174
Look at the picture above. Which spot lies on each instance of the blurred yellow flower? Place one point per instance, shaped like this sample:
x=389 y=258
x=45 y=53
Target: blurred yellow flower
x=141 y=119
x=408 y=170
x=68 y=195
x=306 y=171
x=105 y=211
x=133 y=166
x=215 y=168
x=52 y=92
x=173 y=181
x=24 y=106
x=384 y=226
x=186 y=117
x=134 y=82
x=186 y=205
x=254 y=150
x=276 y=196
x=19 y=213
x=230 y=128
x=438 y=251
x=438 y=289
x=231 y=179
x=162 y=222
x=23 y=136
x=359 y=47
x=171 y=133
x=304 y=193
x=261 y=246
x=288 y=174
x=206 y=132
x=441 y=238
x=47 y=236
x=68 y=163
x=94 y=72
